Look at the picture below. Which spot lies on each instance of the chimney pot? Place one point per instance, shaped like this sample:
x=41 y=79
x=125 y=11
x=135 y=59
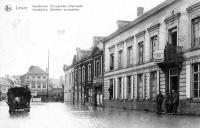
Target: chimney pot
x=140 y=11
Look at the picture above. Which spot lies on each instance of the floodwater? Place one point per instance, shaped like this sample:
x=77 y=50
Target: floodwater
x=61 y=115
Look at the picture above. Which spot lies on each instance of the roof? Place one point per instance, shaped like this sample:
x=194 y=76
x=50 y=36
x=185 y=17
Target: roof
x=35 y=70
x=139 y=19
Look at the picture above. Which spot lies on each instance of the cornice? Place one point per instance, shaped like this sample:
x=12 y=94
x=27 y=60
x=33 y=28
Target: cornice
x=140 y=34
x=154 y=27
x=172 y=18
x=193 y=7
x=129 y=39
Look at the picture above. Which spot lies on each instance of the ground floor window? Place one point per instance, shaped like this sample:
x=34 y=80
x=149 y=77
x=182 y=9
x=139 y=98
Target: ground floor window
x=91 y=95
x=196 y=80
x=110 y=90
x=153 y=85
x=140 y=86
x=128 y=87
x=119 y=88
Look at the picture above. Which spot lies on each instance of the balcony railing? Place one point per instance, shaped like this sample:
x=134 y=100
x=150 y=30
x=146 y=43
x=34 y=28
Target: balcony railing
x=172 y=53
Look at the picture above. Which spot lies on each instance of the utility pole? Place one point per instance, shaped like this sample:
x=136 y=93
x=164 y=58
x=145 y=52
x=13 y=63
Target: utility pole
x=48 y=77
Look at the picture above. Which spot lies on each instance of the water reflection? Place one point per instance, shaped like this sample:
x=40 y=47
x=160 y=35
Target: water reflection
x=19 y=114
x=59 y=115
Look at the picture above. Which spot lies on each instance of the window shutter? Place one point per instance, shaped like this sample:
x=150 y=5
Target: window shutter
x=188 y=81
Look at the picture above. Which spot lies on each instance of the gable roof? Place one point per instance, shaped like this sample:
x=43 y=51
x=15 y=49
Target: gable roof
x=35 y=70
x=139 y=19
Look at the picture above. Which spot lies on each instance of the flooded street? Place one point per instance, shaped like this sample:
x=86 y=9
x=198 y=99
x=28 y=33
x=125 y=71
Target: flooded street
x=60 y=115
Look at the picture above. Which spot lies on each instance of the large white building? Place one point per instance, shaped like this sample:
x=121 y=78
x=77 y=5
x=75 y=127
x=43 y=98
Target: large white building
x=36 y=79
x=158 y=51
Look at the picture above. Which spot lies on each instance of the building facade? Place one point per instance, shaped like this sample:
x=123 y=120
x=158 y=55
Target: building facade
x=68 y=83
x=158 y=51
x=85 y=75
x=36 y=79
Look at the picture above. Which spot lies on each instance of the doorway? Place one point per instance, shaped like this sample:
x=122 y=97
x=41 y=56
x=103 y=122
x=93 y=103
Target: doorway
x=174 y=80
x=174 y=83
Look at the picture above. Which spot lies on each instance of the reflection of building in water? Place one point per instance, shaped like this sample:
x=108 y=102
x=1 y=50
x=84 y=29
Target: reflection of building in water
x=36 y=79
x=5 y=84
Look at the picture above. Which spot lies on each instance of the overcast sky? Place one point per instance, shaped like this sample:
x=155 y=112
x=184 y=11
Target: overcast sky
x=26 y=36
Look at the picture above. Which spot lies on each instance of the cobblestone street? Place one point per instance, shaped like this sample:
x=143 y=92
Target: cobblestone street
x=60 y=115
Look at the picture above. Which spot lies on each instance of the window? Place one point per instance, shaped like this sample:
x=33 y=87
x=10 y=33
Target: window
x=83 y=74
x=110 y=90
x=75 y=77
x=141 y=52
x=89 y=72
x=79 y=75
x=196 y=32
x=196 y=80
x=129 y=87
x=112 y=61
x=44 y=84
x=38 y=77
x=173 y=36
x=140 y=86
x=154 y=41
x=44 y=77
x=32 y=84
x=129 y=56
x=98 y=68
x=119 y=87
x=153 y=85
x=39 y=84
x=120 y=59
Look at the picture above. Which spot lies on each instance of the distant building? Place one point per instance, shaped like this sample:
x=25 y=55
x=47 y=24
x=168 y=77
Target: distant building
x=36 y=79
x=68 y=83
x=5 y=84
x=85 y=75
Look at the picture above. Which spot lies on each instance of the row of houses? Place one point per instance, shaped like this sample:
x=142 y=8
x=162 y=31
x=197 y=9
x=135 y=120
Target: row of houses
x=158 y=51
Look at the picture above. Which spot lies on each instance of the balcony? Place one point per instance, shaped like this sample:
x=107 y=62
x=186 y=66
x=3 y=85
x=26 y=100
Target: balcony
x=172 y=57
x=172 y=53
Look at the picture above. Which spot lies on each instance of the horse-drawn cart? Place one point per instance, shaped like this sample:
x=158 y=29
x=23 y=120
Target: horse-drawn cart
x=19 y=99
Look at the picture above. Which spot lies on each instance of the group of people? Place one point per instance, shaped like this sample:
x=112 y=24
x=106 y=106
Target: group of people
x=170 y=102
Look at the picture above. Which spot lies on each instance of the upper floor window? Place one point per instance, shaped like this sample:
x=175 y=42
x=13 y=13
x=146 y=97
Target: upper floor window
x=98 y=68
x=75 y=76
x=196 y=32
x=112 y=61
x=33 y=84
x=141 y=52
x=39 y=84
x=173 y=36
x=89 y=72
x=129 y=56
x=154 y=41
x=72 y=77
x=79 y=75
x=83 y=74
x=120 y=59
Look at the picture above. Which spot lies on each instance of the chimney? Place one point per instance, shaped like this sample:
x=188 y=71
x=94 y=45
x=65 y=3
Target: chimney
x=97 y=40
x=140 y=11
x=122 y=23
